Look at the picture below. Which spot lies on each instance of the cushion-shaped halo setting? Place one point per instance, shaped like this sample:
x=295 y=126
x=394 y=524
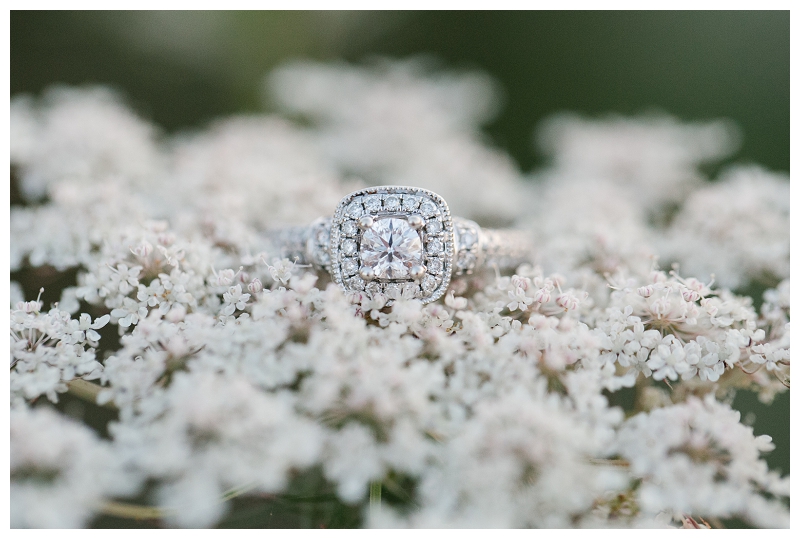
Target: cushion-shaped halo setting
x=393 y=240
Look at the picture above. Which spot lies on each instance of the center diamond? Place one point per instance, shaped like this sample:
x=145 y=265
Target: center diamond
x=390 y=247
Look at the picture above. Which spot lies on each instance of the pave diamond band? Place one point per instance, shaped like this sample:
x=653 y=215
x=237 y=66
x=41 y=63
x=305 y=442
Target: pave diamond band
x=399 y=241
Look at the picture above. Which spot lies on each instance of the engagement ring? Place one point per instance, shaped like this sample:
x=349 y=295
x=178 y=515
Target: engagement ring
x=401 y=242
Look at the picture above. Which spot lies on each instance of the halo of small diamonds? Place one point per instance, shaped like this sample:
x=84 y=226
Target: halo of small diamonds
x=436 y=241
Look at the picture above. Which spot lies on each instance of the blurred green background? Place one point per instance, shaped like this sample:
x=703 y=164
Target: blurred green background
x=181 y=69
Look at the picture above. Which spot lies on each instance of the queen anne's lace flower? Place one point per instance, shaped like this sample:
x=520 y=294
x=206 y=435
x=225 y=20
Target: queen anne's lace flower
x=734 y=229
x=696 y=458
x=214 y=433
x=50 y=349
x=61 y=472
x=503 y=405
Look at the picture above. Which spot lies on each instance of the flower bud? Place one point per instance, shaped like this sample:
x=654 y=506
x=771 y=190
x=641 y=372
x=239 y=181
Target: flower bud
x=520 y=282
x=541 y=296
x=29 y=306
x=567 y=301
x=255 y=287
x=225 y=277
x=646 y=291
x=166 y=239
x=143 y=250
x=690 y=295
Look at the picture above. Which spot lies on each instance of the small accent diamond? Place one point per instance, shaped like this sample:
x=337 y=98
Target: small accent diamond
x=322 y=235
x=433 y=227
x=467 y=239
x=410 y=291
x=349 y=266
x=392 y=203
x=429 y=283
x=374 y=288
x=355 y=209
x=427 y=208
x=356 y=283
x=392 y=291
x=465 y=260
x=435 y=246
x=349 y=247
x=349 y=228
x=434 y=265
x=322 y=257
x=372 y=203
x=410 y=203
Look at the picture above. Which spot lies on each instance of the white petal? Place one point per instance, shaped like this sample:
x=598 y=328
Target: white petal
x=101 y=322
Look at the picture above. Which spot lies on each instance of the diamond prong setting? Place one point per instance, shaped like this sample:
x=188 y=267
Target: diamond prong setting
x=366 y=273
x=365 y=222
x=416 y=221
x=417 y=272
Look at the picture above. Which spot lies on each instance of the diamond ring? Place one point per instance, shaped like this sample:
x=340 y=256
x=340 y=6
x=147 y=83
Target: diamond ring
x=401 y=242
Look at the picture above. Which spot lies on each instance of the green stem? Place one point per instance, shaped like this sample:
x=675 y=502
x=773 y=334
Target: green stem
x=237 y=491
x=147 y=512
x=87 y=391
x=375 y=495
x=136 y=512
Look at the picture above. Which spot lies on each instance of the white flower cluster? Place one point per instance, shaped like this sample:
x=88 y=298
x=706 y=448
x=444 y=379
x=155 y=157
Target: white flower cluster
x=240 y=372
x=734 y=228
x=61 y=472
x=49 y=349
x=670 y=448
x=668 y=328
x=397 y=124
x=641 y=176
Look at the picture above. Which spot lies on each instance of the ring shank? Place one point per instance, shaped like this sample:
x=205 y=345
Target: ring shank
x=506 y=249
x=477 y=247
x=290 y=242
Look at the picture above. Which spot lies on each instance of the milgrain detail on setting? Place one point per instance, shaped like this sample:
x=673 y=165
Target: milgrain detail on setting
x=395 y=241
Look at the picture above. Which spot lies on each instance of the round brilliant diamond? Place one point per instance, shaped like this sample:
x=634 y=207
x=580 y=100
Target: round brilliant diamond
x=391 y=247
